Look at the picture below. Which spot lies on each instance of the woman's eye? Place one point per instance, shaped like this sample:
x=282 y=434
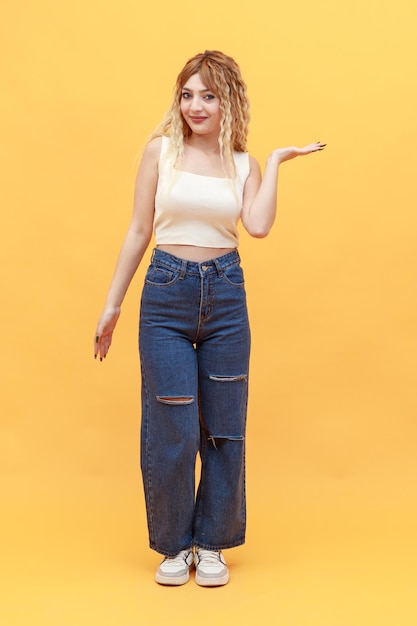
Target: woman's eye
x=187 y=96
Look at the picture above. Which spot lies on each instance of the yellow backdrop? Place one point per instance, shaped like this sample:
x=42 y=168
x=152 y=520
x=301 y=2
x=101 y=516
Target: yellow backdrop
x=332 y=465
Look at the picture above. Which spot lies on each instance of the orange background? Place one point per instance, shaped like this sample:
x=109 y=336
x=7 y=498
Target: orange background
x=332 y=464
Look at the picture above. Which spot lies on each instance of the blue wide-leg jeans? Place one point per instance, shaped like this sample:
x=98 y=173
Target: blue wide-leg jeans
x=194 y=342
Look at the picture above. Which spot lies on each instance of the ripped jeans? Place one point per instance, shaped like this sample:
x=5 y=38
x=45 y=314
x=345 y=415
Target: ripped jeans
x=194 y=342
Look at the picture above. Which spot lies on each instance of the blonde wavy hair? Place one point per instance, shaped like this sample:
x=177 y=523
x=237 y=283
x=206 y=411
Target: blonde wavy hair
x=221 y=75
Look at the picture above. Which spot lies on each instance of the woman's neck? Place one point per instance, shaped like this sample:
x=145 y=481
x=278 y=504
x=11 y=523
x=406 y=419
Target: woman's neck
x=206 y=143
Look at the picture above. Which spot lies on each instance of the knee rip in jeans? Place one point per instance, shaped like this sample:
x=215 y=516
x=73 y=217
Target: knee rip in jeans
x=175 y=399
x=227 y=379
x=222 y=438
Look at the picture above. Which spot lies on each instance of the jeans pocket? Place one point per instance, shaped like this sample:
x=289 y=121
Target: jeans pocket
x=160 y=276
x=234 y=275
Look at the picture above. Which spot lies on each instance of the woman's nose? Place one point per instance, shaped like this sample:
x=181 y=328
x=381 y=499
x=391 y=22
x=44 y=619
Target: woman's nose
x=196 y=103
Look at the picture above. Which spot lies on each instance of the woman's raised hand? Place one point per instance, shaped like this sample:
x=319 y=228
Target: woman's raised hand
x=285 y=154
x=104 y=331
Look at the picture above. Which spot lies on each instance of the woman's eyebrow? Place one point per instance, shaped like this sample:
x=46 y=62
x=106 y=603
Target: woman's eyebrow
x=190 y=90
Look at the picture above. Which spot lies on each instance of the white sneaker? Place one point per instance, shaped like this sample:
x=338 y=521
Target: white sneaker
x=211 y=568
x=175 y=570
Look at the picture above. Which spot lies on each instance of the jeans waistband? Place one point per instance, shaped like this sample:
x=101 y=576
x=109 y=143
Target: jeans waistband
x=218 y=264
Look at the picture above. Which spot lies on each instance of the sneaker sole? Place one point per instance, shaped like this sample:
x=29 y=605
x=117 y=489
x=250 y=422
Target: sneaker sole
x=211 y=582
x=174 y=580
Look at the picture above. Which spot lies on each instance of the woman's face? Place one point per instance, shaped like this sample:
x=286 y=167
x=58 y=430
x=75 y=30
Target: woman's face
x=200 y=107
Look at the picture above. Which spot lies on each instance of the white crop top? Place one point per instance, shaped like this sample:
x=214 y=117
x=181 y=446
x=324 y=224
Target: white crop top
x=196 y=210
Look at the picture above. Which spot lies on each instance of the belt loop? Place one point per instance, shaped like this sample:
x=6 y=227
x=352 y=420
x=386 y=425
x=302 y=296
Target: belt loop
x=183 y=268
x=218 y=268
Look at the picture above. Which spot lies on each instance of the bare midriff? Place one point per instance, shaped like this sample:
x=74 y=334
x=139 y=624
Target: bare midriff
x=194 y=253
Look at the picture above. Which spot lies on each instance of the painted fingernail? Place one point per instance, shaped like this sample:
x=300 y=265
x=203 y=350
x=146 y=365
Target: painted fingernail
x=97 y=338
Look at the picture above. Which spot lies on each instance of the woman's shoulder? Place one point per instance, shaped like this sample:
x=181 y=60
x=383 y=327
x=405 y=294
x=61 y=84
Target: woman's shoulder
x=150 y=156
x=253 y=164
x=245 y=156
x=246 y=163
x=154 y=146
x=152 y=152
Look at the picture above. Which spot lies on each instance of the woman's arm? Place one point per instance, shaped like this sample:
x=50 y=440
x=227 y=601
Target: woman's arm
x=134 y=246
x=260 y=195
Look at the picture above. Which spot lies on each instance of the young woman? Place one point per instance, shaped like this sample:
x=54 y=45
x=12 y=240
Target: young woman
x=195 y=182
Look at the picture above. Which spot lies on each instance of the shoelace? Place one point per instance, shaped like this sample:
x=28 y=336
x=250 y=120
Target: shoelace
x=209 y=556
x=179 y=558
